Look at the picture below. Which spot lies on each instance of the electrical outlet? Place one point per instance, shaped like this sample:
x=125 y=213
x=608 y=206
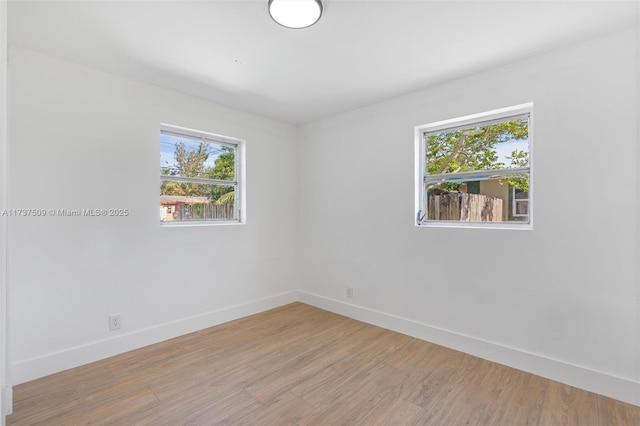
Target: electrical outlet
x=349 y=292
x=114 y=322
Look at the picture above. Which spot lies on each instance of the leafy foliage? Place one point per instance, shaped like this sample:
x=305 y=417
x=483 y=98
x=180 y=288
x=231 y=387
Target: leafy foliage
x=188 y=164
x=198 y=209
x=193 y=164
x=474 y=148
x=226 y=198
x=518 y=159
x=223 y=169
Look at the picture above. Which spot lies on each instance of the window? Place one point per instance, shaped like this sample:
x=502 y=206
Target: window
x=476 y=170
x=520 y=202
x=199 y=177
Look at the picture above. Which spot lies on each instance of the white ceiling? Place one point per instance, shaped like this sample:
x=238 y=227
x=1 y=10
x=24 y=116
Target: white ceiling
x=361 y=52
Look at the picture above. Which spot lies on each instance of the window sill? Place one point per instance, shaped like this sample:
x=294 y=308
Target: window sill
x=477 y=225
x=195 y=224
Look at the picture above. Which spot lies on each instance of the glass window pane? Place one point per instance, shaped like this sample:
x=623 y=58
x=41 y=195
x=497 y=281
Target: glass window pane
x=474 y=200
x=492 y=146
x=522 y=207
x=520 y=194
x=191 y=157
x=188 y=202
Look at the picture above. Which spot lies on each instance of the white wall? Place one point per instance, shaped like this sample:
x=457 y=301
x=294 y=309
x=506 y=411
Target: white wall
x=79 y=139
x=5 y=396
x=561 y=300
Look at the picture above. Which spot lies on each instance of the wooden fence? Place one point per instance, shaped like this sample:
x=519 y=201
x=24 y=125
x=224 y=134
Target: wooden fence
x=460 y=206
x=207 y=211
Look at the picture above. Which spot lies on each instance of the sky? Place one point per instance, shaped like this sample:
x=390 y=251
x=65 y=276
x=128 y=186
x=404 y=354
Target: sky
x=168 y=144
x=505 y=149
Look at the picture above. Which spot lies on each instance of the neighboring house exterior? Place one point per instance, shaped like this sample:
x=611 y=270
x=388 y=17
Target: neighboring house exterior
x=169 y=205
x=479 y=201
x=515 y=202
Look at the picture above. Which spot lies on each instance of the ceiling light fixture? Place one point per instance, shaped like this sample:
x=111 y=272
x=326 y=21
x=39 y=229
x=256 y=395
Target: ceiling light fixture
x=295 y=13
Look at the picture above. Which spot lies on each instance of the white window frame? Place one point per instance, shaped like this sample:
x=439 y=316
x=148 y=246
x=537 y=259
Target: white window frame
x=515 y=202
x=239 y=170
x=484 y=118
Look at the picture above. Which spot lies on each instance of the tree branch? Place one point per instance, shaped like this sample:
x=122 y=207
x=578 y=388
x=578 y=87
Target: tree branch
x=454 y=153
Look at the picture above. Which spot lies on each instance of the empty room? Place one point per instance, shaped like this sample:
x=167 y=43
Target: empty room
x=320 y=212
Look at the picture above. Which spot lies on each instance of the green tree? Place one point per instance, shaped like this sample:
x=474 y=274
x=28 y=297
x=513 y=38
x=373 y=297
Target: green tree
x=223 y=169
x=472 y=148
x=171 y=188
x=188 y=164
x=193 y=164
x=518 y=159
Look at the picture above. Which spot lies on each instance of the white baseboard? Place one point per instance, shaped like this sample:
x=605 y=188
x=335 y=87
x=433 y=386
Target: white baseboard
x=594 y=381
x=8 y=400
x=33 y=368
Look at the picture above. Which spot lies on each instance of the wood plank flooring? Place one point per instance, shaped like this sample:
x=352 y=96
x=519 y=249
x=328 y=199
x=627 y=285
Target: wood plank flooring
x=301 y=365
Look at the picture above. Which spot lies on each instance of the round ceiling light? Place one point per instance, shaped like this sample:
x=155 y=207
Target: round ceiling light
x=295 y=13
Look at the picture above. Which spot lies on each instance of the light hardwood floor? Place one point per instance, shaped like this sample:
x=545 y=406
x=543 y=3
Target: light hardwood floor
x=300 y=365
